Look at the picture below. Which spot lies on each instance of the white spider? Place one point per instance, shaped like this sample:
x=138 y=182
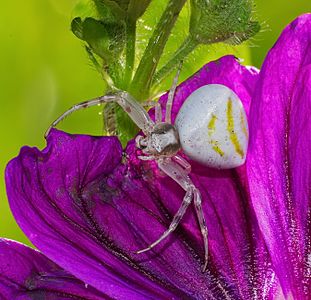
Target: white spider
x=210 y=128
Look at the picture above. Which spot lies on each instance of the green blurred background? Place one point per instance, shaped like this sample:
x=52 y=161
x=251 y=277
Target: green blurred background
x=44 y=70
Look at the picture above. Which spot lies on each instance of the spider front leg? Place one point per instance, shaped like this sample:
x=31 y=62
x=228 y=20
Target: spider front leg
x=129 y=105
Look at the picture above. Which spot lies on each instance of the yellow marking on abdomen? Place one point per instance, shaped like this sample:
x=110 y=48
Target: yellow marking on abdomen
x=230 y=127
x=211 y=129
x=217 y=148
x=212 y=125
x=243 y=125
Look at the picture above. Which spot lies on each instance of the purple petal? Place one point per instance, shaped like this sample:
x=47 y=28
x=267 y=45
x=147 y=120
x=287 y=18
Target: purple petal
x=89 y=213
x=51 y=196
x=279 y=160
x=27 y=274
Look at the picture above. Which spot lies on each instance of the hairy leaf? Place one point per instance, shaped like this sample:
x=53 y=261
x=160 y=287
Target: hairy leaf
x=106 y=40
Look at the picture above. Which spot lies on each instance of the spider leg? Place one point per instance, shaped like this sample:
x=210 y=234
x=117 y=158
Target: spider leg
x=180 y=176
x=84 y=104
x=182 y=162
x=198 y=207
x=202 y=223
x=178 y=171
x=130 y=106
x=146 y=158
x=149 y=103
x=158 y=109
x=171 y=94
x=158 y=113
x=178 y=216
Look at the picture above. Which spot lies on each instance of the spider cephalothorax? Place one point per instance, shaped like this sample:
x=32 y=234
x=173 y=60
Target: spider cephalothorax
x=210 y=128
x=163 y=140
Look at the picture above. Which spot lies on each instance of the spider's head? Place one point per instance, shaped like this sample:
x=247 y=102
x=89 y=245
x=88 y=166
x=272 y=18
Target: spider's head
x=163 y=140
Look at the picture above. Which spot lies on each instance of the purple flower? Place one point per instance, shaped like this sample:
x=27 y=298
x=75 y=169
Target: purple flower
x=89 y=210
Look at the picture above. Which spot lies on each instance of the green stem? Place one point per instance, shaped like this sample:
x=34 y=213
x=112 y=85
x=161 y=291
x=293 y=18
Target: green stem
x=183 y=51
x=115 y=72
x=141 y=83
x=130 y=51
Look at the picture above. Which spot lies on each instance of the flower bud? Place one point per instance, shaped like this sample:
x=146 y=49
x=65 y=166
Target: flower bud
x=228 y=21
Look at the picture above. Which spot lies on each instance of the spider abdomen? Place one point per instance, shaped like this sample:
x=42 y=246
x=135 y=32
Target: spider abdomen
x=212 y=127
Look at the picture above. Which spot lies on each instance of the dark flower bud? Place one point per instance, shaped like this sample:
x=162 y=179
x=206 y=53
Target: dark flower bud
x=121 y=9
x=228 y=21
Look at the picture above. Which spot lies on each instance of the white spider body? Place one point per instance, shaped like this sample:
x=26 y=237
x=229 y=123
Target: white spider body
x=213 y=128
x=210 y=128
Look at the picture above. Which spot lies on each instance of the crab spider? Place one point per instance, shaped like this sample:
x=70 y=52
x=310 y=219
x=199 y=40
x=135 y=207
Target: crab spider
x=210 y=128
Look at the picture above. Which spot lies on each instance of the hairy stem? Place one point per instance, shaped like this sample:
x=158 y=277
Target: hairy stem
x=141 y=83
x=183 y=51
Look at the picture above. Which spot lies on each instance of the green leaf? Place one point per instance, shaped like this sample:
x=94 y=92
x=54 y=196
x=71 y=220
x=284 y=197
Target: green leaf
x=93 y=59
x=126 y=128
x=107 y=11
x=106 y=40
x=77 y=28
x=111 y=11
x=84 y=9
